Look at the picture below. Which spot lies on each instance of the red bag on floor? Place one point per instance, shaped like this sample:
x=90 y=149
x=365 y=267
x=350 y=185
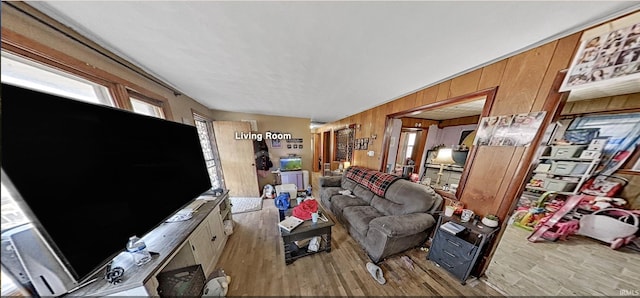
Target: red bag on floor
x=304 y=210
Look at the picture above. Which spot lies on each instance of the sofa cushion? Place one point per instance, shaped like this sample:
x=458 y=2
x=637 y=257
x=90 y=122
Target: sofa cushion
x=339 y=202
x=360 y=216
x=330 y=181
x=405 y=197
x=327 y=192
x=349 y=184
x=403 y=225
x=363 y=193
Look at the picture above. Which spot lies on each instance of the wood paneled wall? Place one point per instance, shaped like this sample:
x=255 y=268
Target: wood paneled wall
x=524 y=83
x=459 y=121
x=610 y=104
x=417 y=122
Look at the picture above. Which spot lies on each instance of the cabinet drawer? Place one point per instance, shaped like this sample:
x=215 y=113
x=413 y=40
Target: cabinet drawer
x=458 y=270
x=454 y=244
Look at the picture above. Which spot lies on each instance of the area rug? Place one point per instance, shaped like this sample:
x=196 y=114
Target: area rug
x=245 y=204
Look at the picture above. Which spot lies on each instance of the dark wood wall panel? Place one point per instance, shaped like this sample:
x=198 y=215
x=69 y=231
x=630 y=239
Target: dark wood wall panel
x=465 y=84
x=485 y=178
x=427 y=96
x=620 y=103
x=564 y=52
x=524 y=82
x=492 y=75
x=459 y=121
x=443 y=90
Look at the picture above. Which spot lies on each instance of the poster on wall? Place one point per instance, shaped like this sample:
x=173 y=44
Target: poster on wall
x=509 y=130
x=614 y=55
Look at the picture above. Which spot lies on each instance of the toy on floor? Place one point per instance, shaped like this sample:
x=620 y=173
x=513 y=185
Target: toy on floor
x=529 y=218
x=611 y=225
x=550 y=227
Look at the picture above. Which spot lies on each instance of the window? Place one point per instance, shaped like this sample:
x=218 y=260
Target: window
x=411 y=141
x=25 y=73
x=145 y=108
x=209 y=150
x=623 y=132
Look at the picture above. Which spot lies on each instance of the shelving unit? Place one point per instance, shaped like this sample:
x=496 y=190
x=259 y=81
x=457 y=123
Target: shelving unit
x=553 y=179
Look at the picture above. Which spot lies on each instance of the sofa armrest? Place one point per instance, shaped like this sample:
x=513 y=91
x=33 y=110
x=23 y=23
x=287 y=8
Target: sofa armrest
x=402 y=225
x=330 y=181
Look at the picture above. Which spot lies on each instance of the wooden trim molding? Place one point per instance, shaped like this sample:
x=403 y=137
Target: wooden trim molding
x=27 y=48
x=72 y=35
x=445 y=103
x=553 y=105
x=489 y=94
x=488 y=105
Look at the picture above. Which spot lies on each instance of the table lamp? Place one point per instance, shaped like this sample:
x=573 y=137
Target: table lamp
x=346 y=165
x=444 y=157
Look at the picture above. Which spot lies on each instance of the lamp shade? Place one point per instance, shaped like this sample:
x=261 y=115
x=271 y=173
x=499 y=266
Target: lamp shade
x=346 y=165
x=444 y=157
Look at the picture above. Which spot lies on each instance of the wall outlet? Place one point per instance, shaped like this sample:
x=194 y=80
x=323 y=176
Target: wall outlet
x=370 y=153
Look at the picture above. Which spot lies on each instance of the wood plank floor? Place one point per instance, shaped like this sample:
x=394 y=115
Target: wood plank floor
x=254 y=259
x=579 y=266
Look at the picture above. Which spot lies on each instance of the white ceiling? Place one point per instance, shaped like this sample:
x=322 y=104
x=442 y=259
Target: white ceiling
x=318 y=60
x=471 y=108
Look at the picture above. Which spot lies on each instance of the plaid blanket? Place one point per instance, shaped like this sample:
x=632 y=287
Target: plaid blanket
x=375 y=181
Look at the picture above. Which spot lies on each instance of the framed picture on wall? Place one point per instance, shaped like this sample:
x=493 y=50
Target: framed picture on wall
x=275 y=143
x=288 y=146
x=295 y=146
x=300 y=146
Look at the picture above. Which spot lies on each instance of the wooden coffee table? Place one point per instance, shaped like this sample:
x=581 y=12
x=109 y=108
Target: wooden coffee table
x=306 y=230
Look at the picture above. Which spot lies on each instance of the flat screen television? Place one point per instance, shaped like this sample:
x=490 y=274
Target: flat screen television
x=94 y=175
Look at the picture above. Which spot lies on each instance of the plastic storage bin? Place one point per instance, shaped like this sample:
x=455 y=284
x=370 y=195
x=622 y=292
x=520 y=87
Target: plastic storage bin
x=568 y=151
x=568 y=168
x=559 y=185
x=292 y=189
x=187 y=281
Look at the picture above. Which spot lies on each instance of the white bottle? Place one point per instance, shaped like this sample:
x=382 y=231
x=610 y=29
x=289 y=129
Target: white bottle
x=138 y=249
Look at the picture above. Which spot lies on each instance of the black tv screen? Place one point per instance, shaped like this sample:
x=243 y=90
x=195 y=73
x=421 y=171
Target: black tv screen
x=93 y=175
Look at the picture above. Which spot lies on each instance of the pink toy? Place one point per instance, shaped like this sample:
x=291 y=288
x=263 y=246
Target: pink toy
x=561 y=230
x=615 y=226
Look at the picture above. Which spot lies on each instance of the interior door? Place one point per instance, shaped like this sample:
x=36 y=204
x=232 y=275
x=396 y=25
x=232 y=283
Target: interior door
x=237 y=158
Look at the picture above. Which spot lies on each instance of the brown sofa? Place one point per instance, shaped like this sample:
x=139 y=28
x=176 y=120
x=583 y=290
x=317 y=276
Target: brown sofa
x=385 y=214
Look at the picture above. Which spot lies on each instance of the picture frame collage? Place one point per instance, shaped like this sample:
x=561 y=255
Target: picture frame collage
x=295 y=144
x=509 y=130
x=361 y=144
x=612 y=55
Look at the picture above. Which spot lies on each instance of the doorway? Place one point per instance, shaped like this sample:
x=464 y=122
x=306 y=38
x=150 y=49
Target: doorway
x=449 y=123
x=326 y=148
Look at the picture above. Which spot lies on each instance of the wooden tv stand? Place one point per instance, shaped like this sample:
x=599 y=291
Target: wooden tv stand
x=199 y=240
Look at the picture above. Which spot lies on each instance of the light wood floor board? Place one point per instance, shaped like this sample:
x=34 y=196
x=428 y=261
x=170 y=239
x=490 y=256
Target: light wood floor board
x=578 y=266
x=254 y=259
